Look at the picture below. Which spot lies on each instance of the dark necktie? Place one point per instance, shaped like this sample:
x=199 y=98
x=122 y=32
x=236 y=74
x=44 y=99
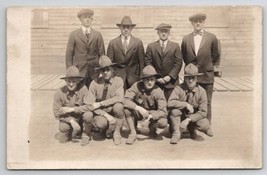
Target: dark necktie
x=87 y=35
x=125 y=45
x=105 y=91
x=189 y=97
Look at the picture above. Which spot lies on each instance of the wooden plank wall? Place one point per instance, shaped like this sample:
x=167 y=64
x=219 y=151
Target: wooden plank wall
x=235 y=31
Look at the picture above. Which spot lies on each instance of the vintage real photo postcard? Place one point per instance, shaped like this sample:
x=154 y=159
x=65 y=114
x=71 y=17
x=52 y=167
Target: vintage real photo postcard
x=134 y=87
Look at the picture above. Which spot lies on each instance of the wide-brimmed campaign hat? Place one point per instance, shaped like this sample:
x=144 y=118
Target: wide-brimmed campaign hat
x=126 y=21
x=104 y=61
x=163 y=26
x=149 y=71
x=197 y=16
x=72 y=72
x=191 y=70
x=85 y=12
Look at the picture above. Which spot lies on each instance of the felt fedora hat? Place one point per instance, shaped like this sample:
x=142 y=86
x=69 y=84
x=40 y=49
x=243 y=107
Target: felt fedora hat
x=72 y=72
x=126 y=21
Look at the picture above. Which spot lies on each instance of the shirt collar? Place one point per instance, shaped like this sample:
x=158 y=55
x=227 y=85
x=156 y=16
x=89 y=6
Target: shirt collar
x=109 y=82
x=165 y=42
x=88 y=29
x=201 y=31
x=128 y=38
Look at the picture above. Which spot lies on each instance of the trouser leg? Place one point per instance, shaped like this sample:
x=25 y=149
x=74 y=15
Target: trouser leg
x=209 y=90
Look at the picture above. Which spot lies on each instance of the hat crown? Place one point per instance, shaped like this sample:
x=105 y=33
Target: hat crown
x=126 y=20
x=149 y=71
x=72 y=72
x=85 y=11
x=197 y=16
x=163 y=26
x=191 y=70
x=104 y=61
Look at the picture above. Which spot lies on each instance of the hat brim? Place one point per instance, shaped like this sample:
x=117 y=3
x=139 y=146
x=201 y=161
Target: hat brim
x=187 y=75
x=133 y=25
x=98 y=68
x=156 y=75
x=79 y=77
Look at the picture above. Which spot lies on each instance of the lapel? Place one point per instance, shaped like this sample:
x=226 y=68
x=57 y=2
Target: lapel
x=192 y=43
x=82 y=36
x=204 y=39
x=91 y=36
x=158 y=47
x=131 y=43
x=167 y=48
x=120 y=46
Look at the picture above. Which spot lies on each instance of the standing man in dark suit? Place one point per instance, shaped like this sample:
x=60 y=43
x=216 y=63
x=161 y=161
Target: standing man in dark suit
x=201 y=48
x=85 y=46
x=165 y=56
x=128 y=52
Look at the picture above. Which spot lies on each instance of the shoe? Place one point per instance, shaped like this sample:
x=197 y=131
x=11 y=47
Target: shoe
x=209 y=132
x=193 y=134
x=110 y=130
x=131 y=139
x=152 y=130
x=175 y=138
x=65 y=138
x=85 y=140
x=116 y=138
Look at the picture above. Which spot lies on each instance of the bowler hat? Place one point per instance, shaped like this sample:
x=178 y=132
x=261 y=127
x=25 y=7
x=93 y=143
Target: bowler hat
x=85 y=12
x=163 y=26
x=191 y=70
x=126 y=21
x=197 y=16
x=149 y=71
x=72 y=72
x=104 y=61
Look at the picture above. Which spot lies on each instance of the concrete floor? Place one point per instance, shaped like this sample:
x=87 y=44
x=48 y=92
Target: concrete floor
x=233 y=140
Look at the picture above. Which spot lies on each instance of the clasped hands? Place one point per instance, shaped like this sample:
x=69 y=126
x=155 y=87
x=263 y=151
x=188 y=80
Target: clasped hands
x=164 y=80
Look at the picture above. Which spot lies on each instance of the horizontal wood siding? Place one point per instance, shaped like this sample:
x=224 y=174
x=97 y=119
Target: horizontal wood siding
x=48 y=45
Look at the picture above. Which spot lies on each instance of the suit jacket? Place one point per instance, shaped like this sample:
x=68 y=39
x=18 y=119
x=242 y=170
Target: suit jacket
x=207 y=55
x=167 y=63
x=131 y=64
x=82 y=54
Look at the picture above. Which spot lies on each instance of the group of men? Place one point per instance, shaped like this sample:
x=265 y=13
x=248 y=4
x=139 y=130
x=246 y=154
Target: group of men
x=130 y=84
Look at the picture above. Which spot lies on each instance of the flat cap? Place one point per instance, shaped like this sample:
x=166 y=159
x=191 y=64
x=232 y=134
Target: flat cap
x=85 y=12
x=163 y=26
x=197 y=16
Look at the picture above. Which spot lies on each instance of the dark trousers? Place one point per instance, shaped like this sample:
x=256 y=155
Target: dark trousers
x=209 y=90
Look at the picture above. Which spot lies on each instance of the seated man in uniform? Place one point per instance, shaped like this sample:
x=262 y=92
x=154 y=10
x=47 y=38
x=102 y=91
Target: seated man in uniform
x=70 y=95
x=145 y=101
x=188 y=103
x=103 y=103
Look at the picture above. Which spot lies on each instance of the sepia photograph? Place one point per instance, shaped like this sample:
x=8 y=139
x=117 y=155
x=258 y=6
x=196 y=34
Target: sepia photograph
x=134 y=87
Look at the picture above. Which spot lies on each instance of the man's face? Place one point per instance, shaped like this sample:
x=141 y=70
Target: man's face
x=86 y=20
x=126 y=30
x=149 y=82
x=163 y=34
x=191 y=82
x=198 y=24
x=72 y=83
x=106 y=73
